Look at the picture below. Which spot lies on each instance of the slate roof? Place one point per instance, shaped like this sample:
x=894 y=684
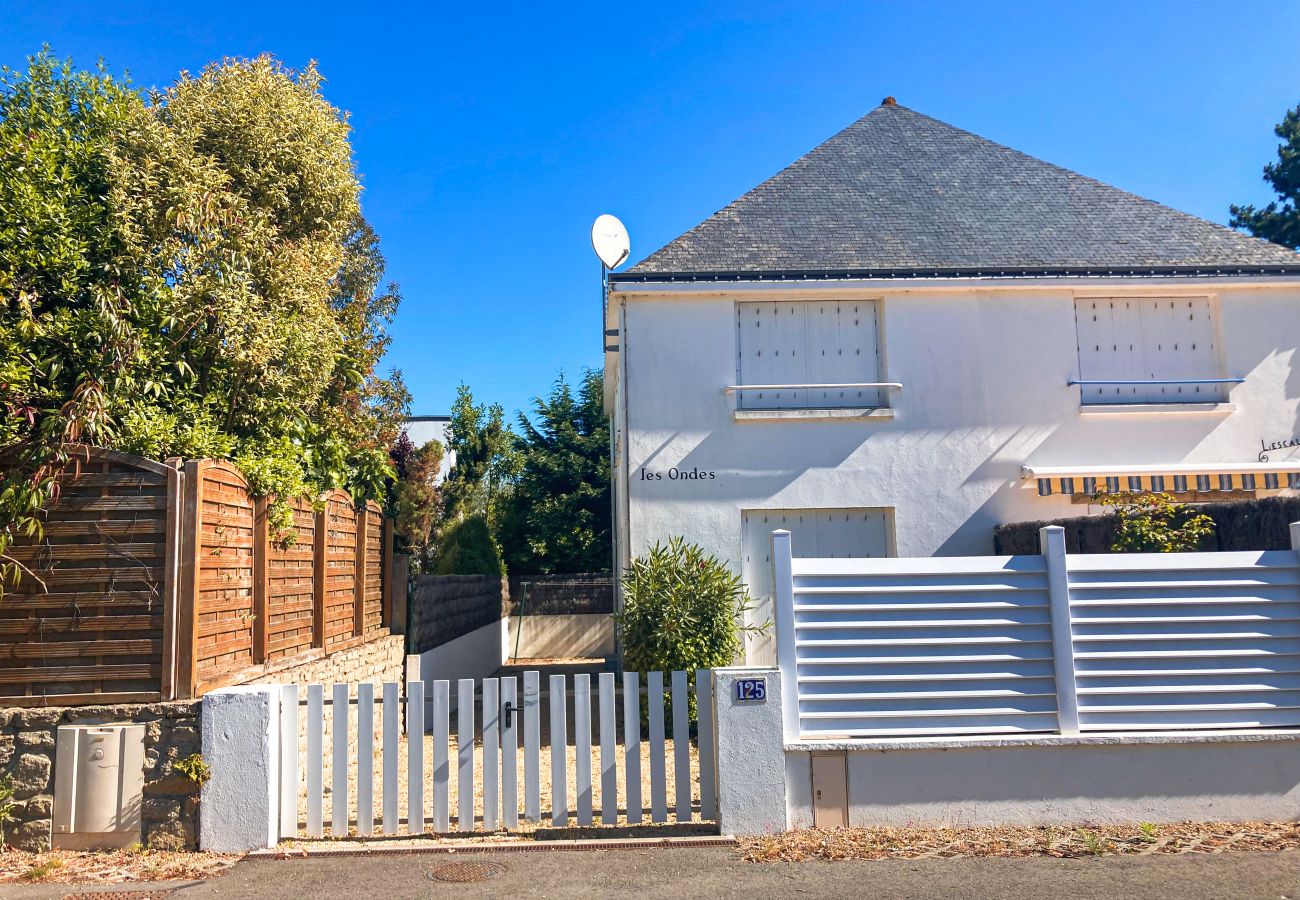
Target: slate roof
x=900 y=193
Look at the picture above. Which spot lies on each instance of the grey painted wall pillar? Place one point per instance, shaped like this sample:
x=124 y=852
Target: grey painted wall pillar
x=240 y=810
x=751 y=754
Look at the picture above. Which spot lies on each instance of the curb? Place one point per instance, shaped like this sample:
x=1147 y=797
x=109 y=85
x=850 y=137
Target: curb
x=561 y=846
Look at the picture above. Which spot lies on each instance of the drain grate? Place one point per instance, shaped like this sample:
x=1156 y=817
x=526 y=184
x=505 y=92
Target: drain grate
x=461 y=872
x=120 y=895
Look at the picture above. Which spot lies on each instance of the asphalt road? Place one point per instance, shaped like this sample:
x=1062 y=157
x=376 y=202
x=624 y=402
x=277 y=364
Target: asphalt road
x=719 y=872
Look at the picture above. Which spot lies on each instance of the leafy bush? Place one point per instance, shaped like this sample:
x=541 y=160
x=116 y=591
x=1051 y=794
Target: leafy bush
x=7 y=802
x=1156 y=523
x=681 y=610
x=195 y=768
x=187 y=273
x=468 y=549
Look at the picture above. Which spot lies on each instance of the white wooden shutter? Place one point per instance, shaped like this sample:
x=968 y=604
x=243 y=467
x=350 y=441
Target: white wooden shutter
x=1149 y=339
x=1178 y=343
x=809 y=342
x=771 y=348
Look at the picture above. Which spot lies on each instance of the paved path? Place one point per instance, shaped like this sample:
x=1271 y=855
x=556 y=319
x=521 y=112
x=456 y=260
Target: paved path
x=718 y=872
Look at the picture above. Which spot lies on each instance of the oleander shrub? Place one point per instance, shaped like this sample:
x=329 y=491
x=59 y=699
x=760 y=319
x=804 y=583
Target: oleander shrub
x=682 y=610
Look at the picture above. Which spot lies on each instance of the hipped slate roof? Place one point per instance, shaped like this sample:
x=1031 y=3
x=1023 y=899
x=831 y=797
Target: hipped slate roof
x=900 y=193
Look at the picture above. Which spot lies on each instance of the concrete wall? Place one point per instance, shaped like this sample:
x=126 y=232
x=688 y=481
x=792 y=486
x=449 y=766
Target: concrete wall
x=1117 y=781
x=475 y=655
x=765 y=784
x=169 y=813
x=581 y=636
x=984 y=372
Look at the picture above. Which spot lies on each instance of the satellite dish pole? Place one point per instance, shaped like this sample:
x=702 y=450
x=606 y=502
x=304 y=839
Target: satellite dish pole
x=610 y=241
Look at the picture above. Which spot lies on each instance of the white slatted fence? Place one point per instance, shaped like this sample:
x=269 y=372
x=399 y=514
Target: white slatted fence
x=380 y=781
x=1051 y=643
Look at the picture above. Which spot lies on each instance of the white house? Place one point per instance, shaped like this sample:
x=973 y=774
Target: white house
x=912 y=334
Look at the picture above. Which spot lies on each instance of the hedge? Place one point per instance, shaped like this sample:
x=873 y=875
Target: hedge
x=1238 y=525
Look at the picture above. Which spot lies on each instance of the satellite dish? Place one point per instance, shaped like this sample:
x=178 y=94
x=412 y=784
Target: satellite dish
x=609 y=240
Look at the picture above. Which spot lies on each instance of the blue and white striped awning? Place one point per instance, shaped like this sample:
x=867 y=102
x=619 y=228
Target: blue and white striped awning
x=1178 y=478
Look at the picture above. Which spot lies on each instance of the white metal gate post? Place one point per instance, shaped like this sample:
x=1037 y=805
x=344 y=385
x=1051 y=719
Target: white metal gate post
x=1295 y=539
x=783 y=604
x=1052 y=541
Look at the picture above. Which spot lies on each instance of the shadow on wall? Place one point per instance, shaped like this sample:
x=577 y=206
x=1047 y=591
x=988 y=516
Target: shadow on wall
x=777 y=454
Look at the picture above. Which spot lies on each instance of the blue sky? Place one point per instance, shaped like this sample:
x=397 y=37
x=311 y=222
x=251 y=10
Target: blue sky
x=489 y=136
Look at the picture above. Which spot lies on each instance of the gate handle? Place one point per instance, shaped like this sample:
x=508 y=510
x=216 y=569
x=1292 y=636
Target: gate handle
x=510 y=709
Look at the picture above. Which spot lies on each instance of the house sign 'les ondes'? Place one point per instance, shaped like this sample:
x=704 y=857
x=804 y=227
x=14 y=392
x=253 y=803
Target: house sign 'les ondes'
x=676 y=474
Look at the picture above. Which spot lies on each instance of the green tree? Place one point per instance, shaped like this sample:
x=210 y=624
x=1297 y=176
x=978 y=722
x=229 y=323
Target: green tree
x=485 y=464
x=68 y=281
x=468 y=548
x=417 y=499
x=557 y=518
x=188 y=274
x=1156 y=523
x=1279 y=221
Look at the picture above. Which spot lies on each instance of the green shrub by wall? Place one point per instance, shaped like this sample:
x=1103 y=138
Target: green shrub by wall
x=468 y=549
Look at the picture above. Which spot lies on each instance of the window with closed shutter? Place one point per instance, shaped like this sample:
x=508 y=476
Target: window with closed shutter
x=804 y=350
x=1148 y=350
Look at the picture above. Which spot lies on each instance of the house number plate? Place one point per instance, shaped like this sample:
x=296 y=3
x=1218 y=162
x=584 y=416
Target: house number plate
x=751 y=690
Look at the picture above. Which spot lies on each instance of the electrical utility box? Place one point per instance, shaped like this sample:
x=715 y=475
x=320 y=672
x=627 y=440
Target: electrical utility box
x=98 y=786
x=830 y=784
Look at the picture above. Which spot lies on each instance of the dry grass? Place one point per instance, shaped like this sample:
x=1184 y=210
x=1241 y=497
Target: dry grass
x=109 y=866
x=1073 y=842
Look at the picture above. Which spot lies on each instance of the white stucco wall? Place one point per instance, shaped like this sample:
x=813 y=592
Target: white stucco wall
x=984 y=374
x=1232 y=778
x=577 y=635
x=239 y=810
x=475 y=655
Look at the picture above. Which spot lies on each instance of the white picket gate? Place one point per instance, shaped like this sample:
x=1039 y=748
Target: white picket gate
x=495 y=785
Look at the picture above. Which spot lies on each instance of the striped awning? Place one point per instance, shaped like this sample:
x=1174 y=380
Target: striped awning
x=1178 y=478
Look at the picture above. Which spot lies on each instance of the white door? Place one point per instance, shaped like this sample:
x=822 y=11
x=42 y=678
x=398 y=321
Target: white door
x=821 y=533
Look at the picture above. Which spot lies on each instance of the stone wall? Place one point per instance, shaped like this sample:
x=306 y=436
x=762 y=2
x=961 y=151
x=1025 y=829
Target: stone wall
x=375 y=661
x=169 y=817
x=445 y=607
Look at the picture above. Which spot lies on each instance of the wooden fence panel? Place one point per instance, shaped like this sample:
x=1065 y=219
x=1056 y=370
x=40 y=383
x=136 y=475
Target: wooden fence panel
x=86 y=621
x=340 y=521
x=224 y=608
x=160 y=580
x=373 y=605
x=290 y=582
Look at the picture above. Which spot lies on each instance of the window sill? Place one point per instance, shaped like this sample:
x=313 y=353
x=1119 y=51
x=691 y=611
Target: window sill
x=813 y=415
x=1121 y=409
